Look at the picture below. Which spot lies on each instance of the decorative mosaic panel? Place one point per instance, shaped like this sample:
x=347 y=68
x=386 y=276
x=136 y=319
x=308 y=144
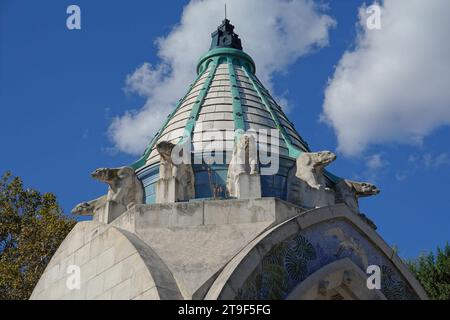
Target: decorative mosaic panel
x=280 y=271
x=291 y=261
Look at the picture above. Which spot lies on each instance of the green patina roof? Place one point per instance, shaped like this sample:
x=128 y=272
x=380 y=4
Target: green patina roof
x=226 y=48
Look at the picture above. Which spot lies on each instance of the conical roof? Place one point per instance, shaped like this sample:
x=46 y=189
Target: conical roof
x=225 y=99
x=226 y=96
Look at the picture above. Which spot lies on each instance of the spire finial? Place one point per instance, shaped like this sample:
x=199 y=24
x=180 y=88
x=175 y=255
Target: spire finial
x=224 y=36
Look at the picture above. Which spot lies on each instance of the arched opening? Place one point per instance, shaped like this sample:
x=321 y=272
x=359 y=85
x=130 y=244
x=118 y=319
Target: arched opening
x=339 y=280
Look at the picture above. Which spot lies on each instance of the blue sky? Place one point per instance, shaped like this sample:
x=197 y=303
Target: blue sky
x=60 y=91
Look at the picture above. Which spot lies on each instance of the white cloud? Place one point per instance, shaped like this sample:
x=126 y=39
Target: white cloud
x=394 y=86
x=375 y=165
x=429 y=160
x=146 y=79
x=442 y=160
x=375 y=162
x=412 y=159
x=401 y=176
x=274 y=32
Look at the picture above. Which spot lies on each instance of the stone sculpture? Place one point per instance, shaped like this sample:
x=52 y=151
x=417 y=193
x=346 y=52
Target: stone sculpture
x=307 y=184
x=349 y=192
x=176 y=180
x=243 y=179
x=91 y=207
x=125 y=190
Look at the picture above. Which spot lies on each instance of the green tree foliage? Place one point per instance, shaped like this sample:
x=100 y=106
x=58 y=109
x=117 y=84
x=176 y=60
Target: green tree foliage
x=32 y=226
x=433 y=272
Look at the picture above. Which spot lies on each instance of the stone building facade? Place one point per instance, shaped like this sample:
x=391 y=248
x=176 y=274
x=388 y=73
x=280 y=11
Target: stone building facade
x=227 y=202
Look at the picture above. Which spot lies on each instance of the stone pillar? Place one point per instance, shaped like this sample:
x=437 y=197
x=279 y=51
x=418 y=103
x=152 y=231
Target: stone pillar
x=109 y=212
x=166 y=190
x=248 y=186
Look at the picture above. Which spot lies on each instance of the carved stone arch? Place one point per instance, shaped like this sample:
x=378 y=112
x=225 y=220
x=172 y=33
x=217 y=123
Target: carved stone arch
x=238 y=278
x=339 y=280
x=112 y=264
